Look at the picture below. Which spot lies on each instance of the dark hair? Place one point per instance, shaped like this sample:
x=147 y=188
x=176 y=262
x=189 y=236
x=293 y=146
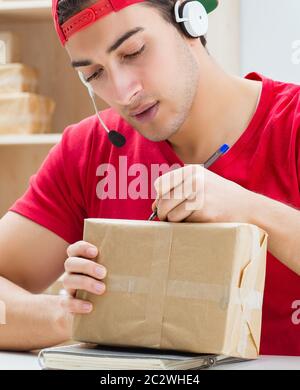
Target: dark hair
x=68 y=8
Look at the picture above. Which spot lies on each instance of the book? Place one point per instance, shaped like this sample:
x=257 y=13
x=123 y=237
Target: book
x=85 y=356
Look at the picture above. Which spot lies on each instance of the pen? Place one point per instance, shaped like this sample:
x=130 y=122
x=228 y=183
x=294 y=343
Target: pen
x=222 y=150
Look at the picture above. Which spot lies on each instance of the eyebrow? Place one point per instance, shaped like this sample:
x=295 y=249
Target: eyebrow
x=112 y=48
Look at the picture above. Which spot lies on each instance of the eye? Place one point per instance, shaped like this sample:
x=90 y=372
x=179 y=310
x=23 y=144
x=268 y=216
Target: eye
x=95 y=75
x=135 y=54
x=99 y=72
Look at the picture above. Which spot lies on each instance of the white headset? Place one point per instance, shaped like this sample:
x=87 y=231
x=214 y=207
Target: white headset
x=92 y=95
x=194 y=19
x=114 y=136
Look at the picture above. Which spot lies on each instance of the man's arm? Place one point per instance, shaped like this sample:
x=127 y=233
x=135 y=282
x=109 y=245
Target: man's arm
x=282 y=223
x=31 y=259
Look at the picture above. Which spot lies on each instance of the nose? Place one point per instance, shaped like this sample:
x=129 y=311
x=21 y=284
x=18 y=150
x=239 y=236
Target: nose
x=124 y=86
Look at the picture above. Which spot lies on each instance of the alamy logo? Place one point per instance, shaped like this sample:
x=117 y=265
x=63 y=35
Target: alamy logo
x=139 y=181
x=296 y=313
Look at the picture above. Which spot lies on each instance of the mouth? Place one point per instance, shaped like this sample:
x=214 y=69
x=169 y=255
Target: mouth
x=147 y=115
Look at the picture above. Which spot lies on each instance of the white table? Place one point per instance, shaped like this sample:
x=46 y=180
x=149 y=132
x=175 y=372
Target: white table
x=18 y=361
x=28 y=361
x=265 y=363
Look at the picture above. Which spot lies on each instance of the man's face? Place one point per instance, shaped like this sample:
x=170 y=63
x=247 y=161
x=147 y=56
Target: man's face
x=154 y=67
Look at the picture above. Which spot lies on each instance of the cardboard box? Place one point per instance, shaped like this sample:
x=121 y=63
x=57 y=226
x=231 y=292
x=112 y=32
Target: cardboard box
x=182 y=286
x=18 y=78
x=9 y=47
x=25 y=113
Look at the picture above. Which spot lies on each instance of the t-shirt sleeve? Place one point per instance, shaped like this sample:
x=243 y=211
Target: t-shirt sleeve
x=298 y=162
x=54 y=197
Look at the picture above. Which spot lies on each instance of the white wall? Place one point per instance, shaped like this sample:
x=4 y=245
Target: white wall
x=270 y=38
x=224 y=35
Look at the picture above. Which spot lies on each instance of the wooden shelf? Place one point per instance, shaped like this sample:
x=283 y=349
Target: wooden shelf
x=29 y=139
x=41 y=49
x=25 y=10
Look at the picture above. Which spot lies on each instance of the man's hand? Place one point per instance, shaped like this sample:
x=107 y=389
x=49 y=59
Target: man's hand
x=195 y=194
x=82 y=273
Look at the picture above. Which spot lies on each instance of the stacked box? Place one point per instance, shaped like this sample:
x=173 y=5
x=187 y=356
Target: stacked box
x=18 y=78
x=25 y=113
x=9 y=47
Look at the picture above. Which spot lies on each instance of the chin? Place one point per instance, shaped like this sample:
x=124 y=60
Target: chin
x=154 y=136
x=155 y=131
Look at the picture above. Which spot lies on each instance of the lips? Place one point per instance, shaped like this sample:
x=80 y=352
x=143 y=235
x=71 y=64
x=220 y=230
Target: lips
x=142 y=109
x=148 y=114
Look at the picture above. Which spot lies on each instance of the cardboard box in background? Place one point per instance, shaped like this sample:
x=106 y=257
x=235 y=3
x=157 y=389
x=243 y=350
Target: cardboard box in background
x=181 y=286
x=25 y=113
x=18 y=78
x=9 y=47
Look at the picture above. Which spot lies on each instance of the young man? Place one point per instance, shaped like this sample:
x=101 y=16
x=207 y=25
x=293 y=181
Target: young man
x=174 y=105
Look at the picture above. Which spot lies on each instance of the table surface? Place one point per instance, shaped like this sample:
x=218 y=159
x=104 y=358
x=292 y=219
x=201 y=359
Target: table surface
x=29 y=361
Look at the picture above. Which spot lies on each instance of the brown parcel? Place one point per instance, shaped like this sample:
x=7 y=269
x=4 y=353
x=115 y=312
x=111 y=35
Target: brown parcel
x=25 y=113
x=18 y=78
x=182 y=286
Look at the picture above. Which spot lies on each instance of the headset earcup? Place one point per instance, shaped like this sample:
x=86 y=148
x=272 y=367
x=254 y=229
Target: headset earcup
x=180 y=12
x=196 y=24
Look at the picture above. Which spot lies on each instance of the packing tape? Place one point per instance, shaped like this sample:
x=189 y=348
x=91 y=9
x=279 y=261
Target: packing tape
x=248 y=299
x=162 y=246
x=189 y=290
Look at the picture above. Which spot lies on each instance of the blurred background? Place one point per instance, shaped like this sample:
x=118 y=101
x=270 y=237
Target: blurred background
x=257 y=35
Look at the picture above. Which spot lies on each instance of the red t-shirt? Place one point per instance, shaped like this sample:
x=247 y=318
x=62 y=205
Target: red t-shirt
x=70 y=186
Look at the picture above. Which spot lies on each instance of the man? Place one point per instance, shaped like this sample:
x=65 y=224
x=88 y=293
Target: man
x=174 y=105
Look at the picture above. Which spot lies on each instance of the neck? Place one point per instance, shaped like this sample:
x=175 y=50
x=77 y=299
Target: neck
x=222 y=109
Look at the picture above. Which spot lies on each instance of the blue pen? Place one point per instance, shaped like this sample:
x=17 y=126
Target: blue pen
x=222 y=150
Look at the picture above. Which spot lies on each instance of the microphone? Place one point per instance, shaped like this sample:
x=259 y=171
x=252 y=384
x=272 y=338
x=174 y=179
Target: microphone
x=116 y=138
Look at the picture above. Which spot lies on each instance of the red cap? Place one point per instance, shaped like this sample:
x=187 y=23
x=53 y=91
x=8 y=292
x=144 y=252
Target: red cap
x=87 y=17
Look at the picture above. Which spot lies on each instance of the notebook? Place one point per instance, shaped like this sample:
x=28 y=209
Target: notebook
x=94 y=357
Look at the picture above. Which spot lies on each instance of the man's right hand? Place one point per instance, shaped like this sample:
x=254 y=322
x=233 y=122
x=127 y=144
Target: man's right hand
x=82 y=273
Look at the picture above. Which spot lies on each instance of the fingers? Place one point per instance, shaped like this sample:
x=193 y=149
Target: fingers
x=179 y=192
x=172 y=207
x=179 y=213
x=82 y=273
x=84 y=266
x=165 y=183
x=166 y=206
x=82 y=249
x=73 y=282
x=76 y=306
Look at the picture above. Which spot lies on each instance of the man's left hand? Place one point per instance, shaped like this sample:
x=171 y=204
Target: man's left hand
x=195 y=194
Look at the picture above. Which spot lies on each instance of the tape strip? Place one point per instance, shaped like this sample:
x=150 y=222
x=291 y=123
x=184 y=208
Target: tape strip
x=158 y=283
x=249 y=300
x=189 y=290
